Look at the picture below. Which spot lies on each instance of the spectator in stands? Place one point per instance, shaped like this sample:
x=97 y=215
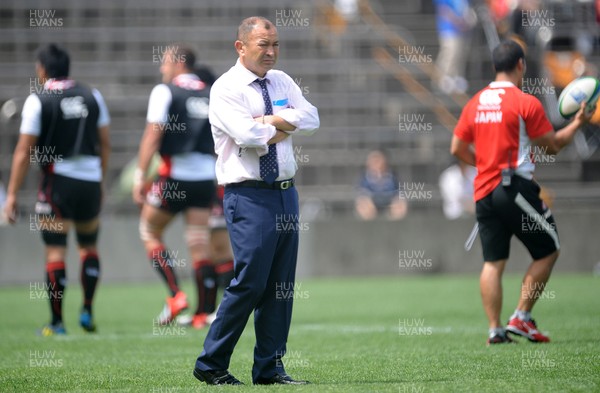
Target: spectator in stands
x=455 y=19
x=456 y=186
x=378 y=190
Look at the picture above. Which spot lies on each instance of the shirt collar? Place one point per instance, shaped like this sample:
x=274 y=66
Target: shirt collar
x=245 y=75
x=53 y=84
x=188 y=81
x=187 y=76
x=496 y=84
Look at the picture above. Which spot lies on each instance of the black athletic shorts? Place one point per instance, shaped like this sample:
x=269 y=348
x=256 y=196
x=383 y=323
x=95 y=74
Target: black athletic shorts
x=175 y=196
x=68 y=198
x=516 y=210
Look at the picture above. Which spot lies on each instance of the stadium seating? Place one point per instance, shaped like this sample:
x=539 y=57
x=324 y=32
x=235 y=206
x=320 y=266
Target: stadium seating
x=112 y=44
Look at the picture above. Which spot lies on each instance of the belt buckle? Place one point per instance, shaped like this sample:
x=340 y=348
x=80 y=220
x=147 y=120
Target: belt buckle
x=284 y=185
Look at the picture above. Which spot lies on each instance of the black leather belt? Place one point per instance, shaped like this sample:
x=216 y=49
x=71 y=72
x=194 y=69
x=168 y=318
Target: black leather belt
x=277 y=185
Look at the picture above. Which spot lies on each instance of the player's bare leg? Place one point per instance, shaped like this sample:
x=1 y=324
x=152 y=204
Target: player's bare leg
x=397 y=210
x=196 y=235
x=54 y=235
x=55 y=253
x=220 y=250
x=87 y=236
x=156 y=220
x=153 y=222
x=535 y=280
x=533 y=285
x=365 y=208
x=490 y=283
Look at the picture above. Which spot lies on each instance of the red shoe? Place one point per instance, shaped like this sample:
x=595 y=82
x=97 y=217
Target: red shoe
x=173 y=307
x=199 y=321
x=527 y=329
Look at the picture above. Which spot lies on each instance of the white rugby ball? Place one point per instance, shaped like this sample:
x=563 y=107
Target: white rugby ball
x=585 y=89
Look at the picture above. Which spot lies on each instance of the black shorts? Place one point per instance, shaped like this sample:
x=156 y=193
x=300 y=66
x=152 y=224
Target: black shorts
x=516 y=210
x=175 y=196
x=68 y=198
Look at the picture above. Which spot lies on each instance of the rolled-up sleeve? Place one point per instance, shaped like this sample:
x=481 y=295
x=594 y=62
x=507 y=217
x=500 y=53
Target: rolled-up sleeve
x=229 y=114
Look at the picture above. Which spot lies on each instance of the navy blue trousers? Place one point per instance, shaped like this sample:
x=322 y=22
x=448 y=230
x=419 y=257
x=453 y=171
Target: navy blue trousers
x=263 y=229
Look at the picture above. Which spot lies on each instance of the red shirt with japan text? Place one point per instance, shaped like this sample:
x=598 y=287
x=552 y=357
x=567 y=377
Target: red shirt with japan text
x=501 y=121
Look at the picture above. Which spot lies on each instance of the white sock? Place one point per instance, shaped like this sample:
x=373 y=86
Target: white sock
x=499 y=331
x=522 y=315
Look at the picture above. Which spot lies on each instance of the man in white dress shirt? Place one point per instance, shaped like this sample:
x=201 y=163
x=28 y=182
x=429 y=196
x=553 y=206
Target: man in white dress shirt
x=255 y=111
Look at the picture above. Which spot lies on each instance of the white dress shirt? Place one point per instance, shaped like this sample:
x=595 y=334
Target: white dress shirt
x=191 y=166
x=79 y=167
x=235 y=100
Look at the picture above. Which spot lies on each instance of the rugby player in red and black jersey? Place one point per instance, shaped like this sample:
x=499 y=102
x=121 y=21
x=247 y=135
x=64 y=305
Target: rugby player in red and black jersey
x=210 y=277
x=509 y=131
x=65 y=130
x=178 y=129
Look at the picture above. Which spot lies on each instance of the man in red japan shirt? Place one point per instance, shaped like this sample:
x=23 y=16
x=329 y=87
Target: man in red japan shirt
x=509 y=130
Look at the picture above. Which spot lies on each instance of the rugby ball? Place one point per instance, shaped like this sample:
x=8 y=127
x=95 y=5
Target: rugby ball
x=585 y=89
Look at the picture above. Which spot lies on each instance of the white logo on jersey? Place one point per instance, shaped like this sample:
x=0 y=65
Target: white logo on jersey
x=488 y=117
x=197 y=107
x=73 y=107
x=491 y=97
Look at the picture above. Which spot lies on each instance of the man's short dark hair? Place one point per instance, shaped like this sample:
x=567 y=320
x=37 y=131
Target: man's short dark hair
x=55 y=61
x=183 y=54
x=506 y=56
x=250 y=23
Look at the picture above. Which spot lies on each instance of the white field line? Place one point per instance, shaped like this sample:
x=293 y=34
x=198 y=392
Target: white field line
x=300 y=328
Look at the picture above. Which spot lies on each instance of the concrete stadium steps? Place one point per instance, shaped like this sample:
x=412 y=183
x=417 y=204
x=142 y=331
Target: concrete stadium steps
x=140 y=64
x=112 y=44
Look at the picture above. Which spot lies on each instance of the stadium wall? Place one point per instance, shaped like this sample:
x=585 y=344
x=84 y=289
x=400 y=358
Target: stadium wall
x=420 y=244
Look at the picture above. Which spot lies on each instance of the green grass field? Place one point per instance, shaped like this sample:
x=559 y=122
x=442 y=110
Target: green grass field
x=401 y=334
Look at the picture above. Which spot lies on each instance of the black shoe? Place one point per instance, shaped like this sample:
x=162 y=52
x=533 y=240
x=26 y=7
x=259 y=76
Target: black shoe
x=280 y=379
x=220 y=377
x=500 y=339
